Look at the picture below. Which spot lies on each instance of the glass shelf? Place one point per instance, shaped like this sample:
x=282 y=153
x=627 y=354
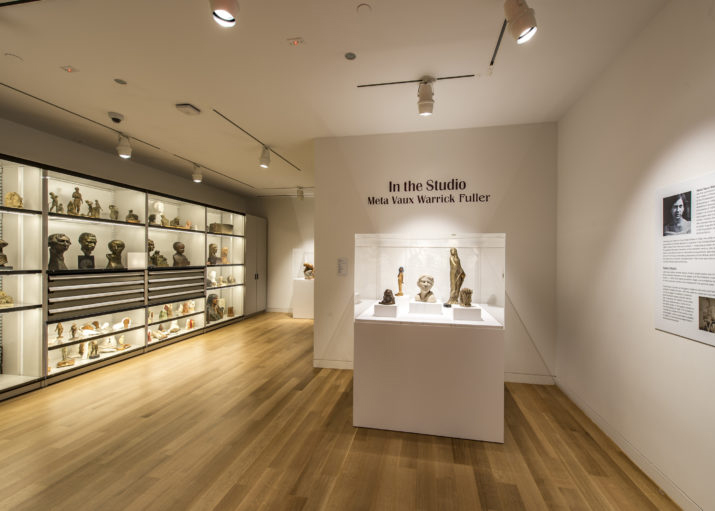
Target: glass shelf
x=19 y=211
x=21 y=345
x=73 y=218
x=84 y=360
x=182 y=212
x=93 y=327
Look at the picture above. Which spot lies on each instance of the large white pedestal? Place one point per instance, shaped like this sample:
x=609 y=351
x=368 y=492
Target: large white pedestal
x=303 y=298
x=442 y=379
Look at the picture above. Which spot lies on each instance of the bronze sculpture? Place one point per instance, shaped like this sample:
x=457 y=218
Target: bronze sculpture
x=388 y=298
x=456 y=276
x=400 y=281
x=213 y=250
x=58 y=243
x=3 y=257
x=114 y=258
x=179 y=258
x=465 y=297
x=87 y=242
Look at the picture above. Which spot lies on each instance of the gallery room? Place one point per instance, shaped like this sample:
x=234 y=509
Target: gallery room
x=365 y=255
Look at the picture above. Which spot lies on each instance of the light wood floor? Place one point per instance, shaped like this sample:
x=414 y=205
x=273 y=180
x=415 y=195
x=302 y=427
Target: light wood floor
x=239 y=419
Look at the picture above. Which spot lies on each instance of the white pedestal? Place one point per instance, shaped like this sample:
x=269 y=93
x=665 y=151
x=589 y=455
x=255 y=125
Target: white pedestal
x=437 y=379
x=303 y=298
x=425 y=308
x=385 y=311
x=460 y=313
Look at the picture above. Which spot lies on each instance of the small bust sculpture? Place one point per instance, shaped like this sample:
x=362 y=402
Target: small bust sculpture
x=58 y=243
x=179 y=258
x=213 y=311
x=158 y=260
x=54 y=202
x=465 y=297
x=308 y=271
x=113 y=212
x=132 y=217
x=213 y=250
x=176 y=222
x=231 y=279
x=388 y=298
x=5 y=299
x=114 y=258
x=149 y=246
x=164 y=221
x=3 y=257
x=87 y=242
x=152 y=219
x=224 y=255
x=425 y=283
x=212 y=279
x=13 y=200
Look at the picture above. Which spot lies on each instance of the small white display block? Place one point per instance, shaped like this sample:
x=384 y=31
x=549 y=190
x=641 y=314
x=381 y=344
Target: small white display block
x=472 y=313
x=136 y=260
x=425 y=308
x=303 y=298
x=385 y=311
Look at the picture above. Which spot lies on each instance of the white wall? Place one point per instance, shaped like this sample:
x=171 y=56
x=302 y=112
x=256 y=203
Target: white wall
x=516 y=165
x=31 y=144
x=290 y=227
x=648 y=122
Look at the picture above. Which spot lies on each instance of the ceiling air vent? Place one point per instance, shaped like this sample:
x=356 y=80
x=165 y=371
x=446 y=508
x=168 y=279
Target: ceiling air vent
x=187 y=108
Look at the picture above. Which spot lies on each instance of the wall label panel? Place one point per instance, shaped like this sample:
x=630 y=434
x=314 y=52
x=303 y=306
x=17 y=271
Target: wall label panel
x=685 y=269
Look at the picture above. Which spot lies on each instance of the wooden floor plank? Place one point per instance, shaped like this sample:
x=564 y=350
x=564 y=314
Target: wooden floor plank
x=239 y=419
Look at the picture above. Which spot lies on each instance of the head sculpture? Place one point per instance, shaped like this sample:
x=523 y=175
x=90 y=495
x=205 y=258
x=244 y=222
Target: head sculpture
x=388 y=298
x=87 y=242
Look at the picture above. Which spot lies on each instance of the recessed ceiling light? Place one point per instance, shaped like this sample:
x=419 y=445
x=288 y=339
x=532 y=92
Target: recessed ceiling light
x=350 y=56
x=70 y=69
x=225 y=12
x=120 y=81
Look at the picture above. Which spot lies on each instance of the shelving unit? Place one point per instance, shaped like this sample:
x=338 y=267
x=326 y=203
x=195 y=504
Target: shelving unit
x=105 y=303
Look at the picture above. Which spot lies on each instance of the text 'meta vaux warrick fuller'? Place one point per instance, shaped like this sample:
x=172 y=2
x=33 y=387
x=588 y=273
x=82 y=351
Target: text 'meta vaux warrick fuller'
x=453 y=191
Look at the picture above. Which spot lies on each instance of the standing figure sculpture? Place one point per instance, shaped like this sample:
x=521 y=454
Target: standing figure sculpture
x=76 y=202
x=55 y=202
x=58 y=243
x=114 y=258
x=400 y=281
x=113 y=212
x=456 y=276
x=3 y=257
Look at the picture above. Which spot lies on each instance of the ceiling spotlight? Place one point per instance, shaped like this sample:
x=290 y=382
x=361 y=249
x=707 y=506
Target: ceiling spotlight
x=124 y=147
x=299 y=193
x=224 y=12
x=425 y=96
x=520 y=19
x=265 y=160
x=196 y=176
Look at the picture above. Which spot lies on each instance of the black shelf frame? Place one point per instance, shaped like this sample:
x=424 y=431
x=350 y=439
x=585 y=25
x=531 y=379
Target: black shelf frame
x=19 y=308
x=19 y=272
x=51 y=321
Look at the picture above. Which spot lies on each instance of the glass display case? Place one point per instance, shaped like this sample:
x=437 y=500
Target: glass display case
x=82 y=340
x=476 y=262
x=174 y=319
x=176 y=233
x=225 y=269
x=103 y=224
x=224 y=304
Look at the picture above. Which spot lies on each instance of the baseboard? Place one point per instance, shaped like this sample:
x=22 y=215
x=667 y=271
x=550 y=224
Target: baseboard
x=647 y=466
x=278 y=309
x=534 y=379
x=333 y=364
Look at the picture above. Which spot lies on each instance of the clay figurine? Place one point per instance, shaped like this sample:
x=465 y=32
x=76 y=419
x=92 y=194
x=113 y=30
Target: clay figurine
x=74 y=330
x=13 y=200
x=224 y=255
x=132 y=217
x=93 y=349
x=456 y=276
x=114 y=258
x=179 y=258
x=388 y=298
x=213 y=311
x=231 y=279
x=230 y=312
x=465 y=297
x=61 y=209
x=6 y=300
x=187 y=225
x=425 y=283
x=3 y=257
x=66 y=360
x=87 y=242
x=164 y=221
x=113 y=212
x=54 y=204
x=158 y=260
x=59 y=329
x=400 y=281
x=176 y=222
x=89 y=208
x=308 y=271
x=152 y=219
x=58 y=243
x=96 y=210
x=76 y=201
x=213 y=258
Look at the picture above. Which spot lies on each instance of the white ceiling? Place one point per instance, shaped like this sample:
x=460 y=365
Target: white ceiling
x=171 y=51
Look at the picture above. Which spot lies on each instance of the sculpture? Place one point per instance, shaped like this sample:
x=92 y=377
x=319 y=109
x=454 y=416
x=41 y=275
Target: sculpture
x=149 y=245
x=174 y=327
x=176 y=222
x=76 y=201
x=3 y=257
x=152 y=219
x=95 y=210
x=132 y=217
x=400 y=281
x=87 y=242
x=212 y=279
x=213 y=311
x=73 y=332
x=230 y=312
x=158 y=260
x=388 y=298
x=66 y=360
x=465 y=297
x=58 y=243
x=164 y=221
x=6 y=300
x=189 y=324
x=221 y=281
x=425 y=283
x=456 y=276
x=179 y=258
x=93 y=349
x=59 y=329
x=231 y=279
x=113 y=212
x=109 y=345
x=55 y=202
x=224 y=255
x=89 y=208
x=121 y=345
x=213 y=258
x=61 y=209
x=114 y=258
x=185 y=308
x=13 y=200
x=187 y=225
x=308 y=271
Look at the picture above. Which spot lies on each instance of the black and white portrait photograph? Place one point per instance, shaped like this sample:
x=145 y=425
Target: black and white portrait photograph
x=706 y=314
x=676 y=214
